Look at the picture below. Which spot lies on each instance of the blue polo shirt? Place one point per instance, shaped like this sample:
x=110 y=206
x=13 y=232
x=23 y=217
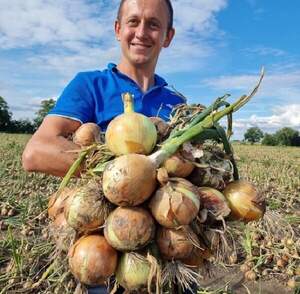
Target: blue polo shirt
x=96 y=96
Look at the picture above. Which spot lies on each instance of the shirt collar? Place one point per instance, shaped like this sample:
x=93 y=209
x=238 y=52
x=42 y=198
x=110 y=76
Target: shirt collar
x=159 y=81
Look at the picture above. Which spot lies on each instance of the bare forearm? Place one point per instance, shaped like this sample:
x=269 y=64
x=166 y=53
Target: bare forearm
x=52 y=157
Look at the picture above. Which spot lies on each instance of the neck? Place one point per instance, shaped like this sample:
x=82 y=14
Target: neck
x=143 y=76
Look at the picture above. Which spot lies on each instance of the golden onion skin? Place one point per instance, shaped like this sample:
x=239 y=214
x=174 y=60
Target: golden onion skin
x=92 y=260
x=87 y=134
x=244 y=200
x=174 y=243
x=177 y=166
x=131 y=133
x=133 y=271
x=57 y=202
x=88 y=208
x=129 y=228
x=129 y=180
x=175 y=204
x=214 y=201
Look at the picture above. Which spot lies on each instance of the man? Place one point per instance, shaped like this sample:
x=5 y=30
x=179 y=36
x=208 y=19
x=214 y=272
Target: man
x=143 y=28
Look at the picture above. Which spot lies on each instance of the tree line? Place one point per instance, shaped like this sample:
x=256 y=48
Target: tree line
x=283 y=137
x=22 y=126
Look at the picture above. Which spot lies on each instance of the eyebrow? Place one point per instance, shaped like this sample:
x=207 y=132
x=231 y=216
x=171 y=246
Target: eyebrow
x=148 y=19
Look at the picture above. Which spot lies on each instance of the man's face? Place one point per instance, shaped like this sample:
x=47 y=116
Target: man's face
x=143 y=31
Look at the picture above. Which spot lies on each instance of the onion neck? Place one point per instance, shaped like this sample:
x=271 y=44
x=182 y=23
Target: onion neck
x=128 y=102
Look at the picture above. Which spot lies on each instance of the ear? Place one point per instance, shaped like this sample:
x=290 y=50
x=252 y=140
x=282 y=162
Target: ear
x=117 y=30
x=169 y=37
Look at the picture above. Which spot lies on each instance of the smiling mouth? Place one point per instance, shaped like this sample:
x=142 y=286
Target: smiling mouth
x=140 y=45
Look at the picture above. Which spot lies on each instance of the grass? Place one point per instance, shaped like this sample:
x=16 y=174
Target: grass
x=27 y=260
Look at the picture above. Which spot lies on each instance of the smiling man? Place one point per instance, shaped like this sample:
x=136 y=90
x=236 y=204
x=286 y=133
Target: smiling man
x=143 y=28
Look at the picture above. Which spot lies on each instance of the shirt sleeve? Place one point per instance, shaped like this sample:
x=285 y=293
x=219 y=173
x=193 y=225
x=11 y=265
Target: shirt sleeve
x=76 y=101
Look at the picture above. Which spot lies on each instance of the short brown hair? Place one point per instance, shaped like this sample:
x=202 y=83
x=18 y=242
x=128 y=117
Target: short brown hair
x=170 y=11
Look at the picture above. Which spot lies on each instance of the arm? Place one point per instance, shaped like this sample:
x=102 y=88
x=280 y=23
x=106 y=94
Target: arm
x=46 y=150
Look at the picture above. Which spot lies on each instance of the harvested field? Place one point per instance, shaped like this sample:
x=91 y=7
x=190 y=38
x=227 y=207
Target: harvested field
x=262 y=256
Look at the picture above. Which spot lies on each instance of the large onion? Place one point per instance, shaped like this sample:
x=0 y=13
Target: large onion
x=133 y=271
x=57 y=202
x=92 y=260
x=130 y=132
x=88 y=208
x=175 y=204
x=87 y=134
x=175 y=243
x=129 y=180
x=214 y=201
x=129 y=228
x=245 y=201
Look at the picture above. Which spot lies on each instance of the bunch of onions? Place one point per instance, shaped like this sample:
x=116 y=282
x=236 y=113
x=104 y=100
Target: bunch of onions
x=133 y=271
x=87 y=134
x=175 y=243
x=121 y=183
x=129 y=228
x=57 y=202
x=130 y=132
x=129 y=180
x=175 y=204
x=214 y=202
x=245 y=201
x=177 y=166
x=62 y=233
x=88 y=208
x=92 y=260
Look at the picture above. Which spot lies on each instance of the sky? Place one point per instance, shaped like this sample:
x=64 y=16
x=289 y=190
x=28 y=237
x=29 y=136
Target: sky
x=220 y=47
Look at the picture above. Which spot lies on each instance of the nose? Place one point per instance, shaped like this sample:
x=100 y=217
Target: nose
x=141 y=30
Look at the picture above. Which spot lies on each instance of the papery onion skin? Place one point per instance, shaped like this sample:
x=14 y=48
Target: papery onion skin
x=174 y=243
x=129 y=228
x=175 y=204
x=214 y=201
x=87 y=134
x=57 y=202
x=62 y=233
x=129 y=180
x=92 y=260
x=133 y=271
x=88 y=208
x=177 y=166
x=244 y=200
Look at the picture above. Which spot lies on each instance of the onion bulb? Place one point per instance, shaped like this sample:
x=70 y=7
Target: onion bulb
x=87 y=134
x=88 y=208
x=244 y=200
x=162 y=127
x=175 y=204
x=92 y=260
x=129 y=180
x=129 y=228
x=214 y=201
x=62 y=233
x=175 y=243
x=130 y=132
x=177 y=166
x=57 y=202
x=133 y=271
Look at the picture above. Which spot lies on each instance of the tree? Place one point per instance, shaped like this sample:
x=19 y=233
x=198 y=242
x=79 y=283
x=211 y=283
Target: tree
x=5 y=115
x=269 y=140
x=253 y=135
x=46 y=106
x=286 y=136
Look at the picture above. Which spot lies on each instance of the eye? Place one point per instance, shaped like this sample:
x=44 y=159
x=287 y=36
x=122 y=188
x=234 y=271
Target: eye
x=132 y=22
x=153 y=25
